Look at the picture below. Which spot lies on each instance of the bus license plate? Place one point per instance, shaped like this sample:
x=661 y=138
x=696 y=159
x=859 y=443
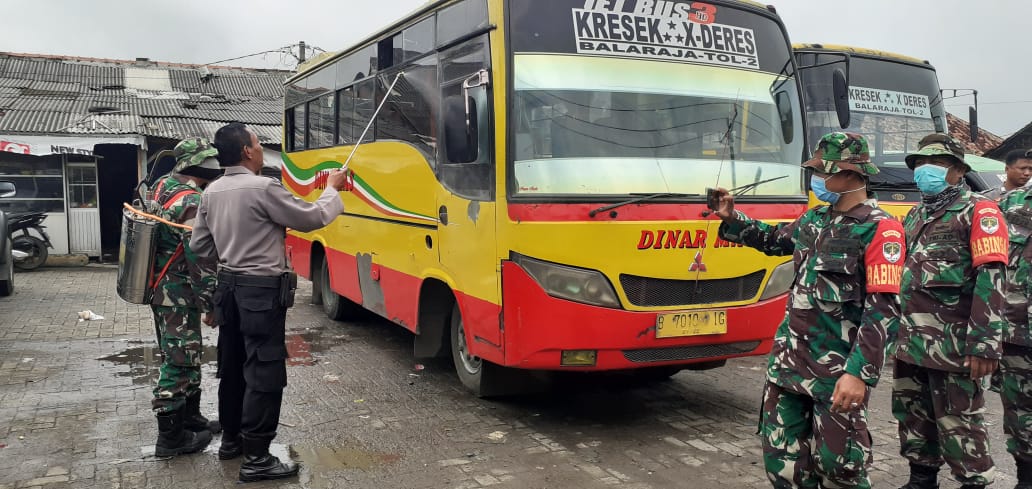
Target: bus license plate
x=691 y=323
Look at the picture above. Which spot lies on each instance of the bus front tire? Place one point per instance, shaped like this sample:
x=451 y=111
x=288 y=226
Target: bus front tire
x=469 y=368
x=485 y=379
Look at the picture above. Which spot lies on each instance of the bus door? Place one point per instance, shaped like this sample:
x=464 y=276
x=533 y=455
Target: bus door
x=467 y=204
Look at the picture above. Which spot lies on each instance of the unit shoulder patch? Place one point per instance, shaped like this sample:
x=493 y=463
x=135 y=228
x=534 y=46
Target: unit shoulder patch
x=884 y=257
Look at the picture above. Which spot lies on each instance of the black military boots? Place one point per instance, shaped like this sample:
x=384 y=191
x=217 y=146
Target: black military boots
x=174 y=439
x=232 y=447
x=922 y=477
x=260 y=465
x=193 y=420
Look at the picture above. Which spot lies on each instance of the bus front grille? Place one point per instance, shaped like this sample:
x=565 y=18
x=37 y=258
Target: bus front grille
x=689 y=352
x=653 y=292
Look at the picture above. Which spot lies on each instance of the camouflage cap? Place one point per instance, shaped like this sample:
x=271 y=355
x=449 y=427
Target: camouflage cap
x=938 y=144
x=838 y=151
x=195 y=152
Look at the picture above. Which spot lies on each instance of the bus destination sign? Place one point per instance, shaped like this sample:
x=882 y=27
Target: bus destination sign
x=889 y=102
x=662 y=30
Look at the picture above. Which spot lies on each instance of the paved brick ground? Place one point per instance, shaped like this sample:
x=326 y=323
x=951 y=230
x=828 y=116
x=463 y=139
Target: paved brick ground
x=75 y=411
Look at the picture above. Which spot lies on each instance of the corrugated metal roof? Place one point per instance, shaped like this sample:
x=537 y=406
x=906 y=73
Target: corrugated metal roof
x=34 y=122
x=241 y=84
x=15 y=83
x=185 y=80
x=105 y=124
x=56 y=70
x=179 y=128
x=44 y=104
x=46 y=94
x=55 y=87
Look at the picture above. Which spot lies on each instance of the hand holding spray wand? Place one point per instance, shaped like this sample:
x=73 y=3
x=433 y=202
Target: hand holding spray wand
x=365 y=131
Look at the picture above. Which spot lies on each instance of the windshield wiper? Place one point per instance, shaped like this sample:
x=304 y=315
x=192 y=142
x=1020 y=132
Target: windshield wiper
x=640 y=198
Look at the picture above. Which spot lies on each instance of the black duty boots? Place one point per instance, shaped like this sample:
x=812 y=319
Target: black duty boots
x=260 y=465
x=232 y=447
x=193 y=420
x=1024 y=474
x=174 y=440
x=922 y=477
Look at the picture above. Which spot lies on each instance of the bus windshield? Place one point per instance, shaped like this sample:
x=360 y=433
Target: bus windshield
x=600 y=117
x=893 y=104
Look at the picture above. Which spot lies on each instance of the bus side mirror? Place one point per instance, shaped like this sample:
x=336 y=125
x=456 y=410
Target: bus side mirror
x=7 y=189
x=784 y=105
x=461 y=138
x=973 y=118
x=840 y=90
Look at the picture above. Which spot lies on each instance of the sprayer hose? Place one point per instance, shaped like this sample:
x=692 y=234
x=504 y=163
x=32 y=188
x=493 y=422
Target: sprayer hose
x=156 y=218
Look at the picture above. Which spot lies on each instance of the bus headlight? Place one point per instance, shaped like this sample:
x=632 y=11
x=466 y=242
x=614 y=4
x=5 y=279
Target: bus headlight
x=566 y=282
x=780 y=281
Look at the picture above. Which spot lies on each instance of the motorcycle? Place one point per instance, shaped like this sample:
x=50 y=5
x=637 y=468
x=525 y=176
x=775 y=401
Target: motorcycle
x=35 y=248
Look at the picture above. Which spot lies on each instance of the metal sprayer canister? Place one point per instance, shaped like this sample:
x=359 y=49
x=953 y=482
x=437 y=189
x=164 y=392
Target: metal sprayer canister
x=136 y=258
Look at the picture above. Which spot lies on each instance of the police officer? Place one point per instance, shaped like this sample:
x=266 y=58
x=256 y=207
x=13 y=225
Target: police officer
x=1014 y=379
x=842 y=311
x=182 y=294
x=242 y=221
x=951 y=301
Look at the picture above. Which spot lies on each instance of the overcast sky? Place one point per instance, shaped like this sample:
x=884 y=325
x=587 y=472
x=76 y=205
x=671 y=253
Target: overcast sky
x=981 y=45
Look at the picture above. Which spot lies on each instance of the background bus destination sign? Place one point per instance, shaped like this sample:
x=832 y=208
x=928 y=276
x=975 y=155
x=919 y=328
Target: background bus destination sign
x=891 y=102
x=662 y=30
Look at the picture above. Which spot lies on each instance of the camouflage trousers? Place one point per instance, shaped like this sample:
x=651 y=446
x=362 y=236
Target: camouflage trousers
x=1014 y=383
x=940 y=419
x=179 y=337
x=806 y=445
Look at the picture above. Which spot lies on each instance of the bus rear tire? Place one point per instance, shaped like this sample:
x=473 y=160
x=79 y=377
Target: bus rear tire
x=336 y=307
x=469 y=368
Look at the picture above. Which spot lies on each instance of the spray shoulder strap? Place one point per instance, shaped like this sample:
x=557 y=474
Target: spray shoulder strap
x=168 y=203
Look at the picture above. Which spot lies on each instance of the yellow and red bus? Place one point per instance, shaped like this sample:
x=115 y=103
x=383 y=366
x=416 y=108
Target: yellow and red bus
x=893 y=100
x=532 y=193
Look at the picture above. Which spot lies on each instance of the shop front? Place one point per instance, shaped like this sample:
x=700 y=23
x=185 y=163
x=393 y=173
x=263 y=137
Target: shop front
x=65 y=177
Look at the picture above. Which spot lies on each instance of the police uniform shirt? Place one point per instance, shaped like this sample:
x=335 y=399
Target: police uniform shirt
x=243 y=219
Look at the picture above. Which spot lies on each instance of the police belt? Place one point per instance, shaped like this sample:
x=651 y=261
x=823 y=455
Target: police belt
x=263 y=281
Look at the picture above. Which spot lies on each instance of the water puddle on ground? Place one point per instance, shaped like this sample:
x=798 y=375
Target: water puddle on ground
x=144 y=361
x=301 y=346
x=319 y=463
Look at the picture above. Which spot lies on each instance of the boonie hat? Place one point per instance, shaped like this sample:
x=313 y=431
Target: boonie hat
x=838 y=151
x=938 y=144
x=196 y=156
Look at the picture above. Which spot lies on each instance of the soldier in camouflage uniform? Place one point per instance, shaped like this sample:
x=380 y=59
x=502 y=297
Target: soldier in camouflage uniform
x=842 y=312
x=952 y=304
x=1014 y=379
x=184 y=284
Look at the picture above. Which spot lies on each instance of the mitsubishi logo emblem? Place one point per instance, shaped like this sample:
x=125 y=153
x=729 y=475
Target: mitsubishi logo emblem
x=697 y=265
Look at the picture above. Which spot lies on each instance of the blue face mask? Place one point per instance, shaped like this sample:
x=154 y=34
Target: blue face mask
x=931 y=179
x=821 y=192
